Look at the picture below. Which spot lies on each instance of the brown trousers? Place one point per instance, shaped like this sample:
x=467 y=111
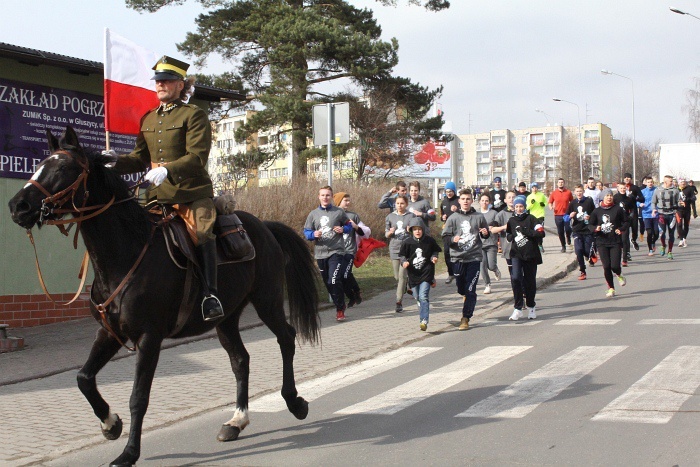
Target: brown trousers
x=199 y=216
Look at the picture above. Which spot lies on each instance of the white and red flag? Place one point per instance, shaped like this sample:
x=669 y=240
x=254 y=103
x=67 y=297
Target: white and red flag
x=129 y=91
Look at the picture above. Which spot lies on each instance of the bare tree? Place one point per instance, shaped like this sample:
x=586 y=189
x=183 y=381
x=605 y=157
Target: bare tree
x=569 y=163
x=534 y=166
x=692 y=108
x=234 y=170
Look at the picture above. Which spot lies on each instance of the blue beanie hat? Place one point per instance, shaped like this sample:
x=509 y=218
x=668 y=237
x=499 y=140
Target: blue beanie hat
x=519 y=200
x=451 y=186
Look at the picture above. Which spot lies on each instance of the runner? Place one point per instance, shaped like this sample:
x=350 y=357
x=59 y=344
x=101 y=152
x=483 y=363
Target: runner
x=489 y=246
x=629 y=206
x=396 y=224
x=350 y=285
x=650 y=217
x=535 y=204
x=450 y=204
x=388 y=198
x=418 y=255
x=580 y=210
x=686 y=198
x=498 y=195
x=608 y=223
x=665 y=202
x=591 y=191
x=502 y=219
x=691 y=183
x=522 y=231
x=559 y=201
x=466 y=228
x=635 y=193
x=419 y=206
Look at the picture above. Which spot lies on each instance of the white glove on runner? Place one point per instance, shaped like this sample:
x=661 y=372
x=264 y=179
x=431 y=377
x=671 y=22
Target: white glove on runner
x=157 y=175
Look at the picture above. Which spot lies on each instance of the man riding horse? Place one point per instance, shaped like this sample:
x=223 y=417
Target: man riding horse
x=174 y=142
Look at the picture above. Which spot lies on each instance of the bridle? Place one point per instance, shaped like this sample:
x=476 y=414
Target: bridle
x=52 y=206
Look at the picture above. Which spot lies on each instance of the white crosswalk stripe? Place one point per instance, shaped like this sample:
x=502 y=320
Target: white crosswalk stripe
x=494 y=322
x=434 y=382
x=669 y=321
x=352 y=374
x=586 y=322
x=659 y=394
x=525 y=395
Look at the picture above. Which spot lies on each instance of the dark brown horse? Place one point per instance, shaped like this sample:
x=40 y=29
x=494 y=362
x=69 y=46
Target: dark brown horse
x=146 y=309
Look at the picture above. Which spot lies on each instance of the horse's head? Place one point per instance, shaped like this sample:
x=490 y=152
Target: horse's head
x=59 y=181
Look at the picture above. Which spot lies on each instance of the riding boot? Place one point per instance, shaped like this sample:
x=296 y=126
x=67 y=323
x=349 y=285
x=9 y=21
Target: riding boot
x=211 y=306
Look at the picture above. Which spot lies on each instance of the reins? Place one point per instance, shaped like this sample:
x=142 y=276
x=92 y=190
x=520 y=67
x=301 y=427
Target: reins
x=83 y=213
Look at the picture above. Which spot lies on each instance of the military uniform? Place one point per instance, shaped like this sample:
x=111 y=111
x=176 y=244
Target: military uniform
x=174 y=142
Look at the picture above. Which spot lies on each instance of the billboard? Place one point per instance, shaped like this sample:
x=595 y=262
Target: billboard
x=428 y=160
x=28 y=110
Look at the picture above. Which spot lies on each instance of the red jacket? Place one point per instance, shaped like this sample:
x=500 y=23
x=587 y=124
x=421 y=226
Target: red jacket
x=560 y=199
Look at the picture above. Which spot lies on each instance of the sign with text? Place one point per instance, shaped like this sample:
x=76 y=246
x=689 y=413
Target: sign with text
x=427 y=160
x=28 y=110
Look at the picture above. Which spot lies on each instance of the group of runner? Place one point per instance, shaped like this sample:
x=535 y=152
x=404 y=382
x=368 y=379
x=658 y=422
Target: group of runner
x=596 y=222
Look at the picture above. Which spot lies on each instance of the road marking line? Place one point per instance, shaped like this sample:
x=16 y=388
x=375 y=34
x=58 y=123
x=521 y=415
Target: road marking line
x=432 y=383
x=494 y=322
x=587 y=322
x=670 y=321
x=315 y=388
x=523 y=396
x=659 y=394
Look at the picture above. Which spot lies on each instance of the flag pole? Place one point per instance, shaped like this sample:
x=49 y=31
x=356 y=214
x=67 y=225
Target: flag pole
x=104 y=84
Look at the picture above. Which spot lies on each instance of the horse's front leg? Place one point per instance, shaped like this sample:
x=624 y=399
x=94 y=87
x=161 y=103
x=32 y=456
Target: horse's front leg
x=148 y=353
x=103 y=349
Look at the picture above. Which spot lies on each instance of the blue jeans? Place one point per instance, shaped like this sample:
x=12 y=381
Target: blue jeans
x=467 y=275
x=422 y=293
x=583 y=243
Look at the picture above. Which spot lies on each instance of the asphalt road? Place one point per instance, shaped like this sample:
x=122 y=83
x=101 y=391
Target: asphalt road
x=591 y=381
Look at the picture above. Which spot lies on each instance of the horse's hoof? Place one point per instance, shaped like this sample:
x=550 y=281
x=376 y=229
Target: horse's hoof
x=115 y=431
x=228 y=433
x=302 y=408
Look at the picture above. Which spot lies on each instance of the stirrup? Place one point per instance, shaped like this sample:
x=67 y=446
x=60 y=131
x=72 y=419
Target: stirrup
x=214 y=312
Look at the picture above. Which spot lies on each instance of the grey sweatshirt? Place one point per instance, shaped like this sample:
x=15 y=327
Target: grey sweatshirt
x=330 y=242
x=427 y=212
x=400 y=222
x=466 y=225
x=665 y=200
x=491 y=215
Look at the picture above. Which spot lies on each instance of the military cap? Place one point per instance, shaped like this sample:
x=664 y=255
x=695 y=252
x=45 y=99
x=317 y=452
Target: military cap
x=168 y=68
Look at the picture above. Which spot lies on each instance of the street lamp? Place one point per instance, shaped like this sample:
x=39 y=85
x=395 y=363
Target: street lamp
x=634 y=159
x=580 y=140
x=676 y=10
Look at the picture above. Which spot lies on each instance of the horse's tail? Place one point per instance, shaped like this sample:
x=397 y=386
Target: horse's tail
x=302 y=279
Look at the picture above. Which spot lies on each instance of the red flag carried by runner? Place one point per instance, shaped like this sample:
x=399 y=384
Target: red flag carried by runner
x=365 y=248
x=128 y=88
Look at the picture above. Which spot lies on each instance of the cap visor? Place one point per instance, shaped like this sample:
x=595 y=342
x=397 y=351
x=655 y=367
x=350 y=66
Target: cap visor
x=164 y=75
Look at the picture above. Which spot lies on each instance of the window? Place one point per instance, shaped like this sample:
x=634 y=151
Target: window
x=460 y=157
x=263 y=174
x=514 y=165
x=460 y=144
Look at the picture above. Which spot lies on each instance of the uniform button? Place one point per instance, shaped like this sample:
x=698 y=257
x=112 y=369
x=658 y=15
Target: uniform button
x=160 y=122
x=159 y=132
x=160 y=141
x=162 y=159
x=160 y=150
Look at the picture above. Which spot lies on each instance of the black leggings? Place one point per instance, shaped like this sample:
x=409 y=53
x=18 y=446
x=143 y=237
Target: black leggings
x=610 y=256
x=683 y=221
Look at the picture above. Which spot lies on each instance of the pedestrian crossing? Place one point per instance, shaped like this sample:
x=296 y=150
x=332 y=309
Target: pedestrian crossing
x=654 y=399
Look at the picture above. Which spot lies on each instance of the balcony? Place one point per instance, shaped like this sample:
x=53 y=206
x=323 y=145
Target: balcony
x=592 y=139
x=498 y=157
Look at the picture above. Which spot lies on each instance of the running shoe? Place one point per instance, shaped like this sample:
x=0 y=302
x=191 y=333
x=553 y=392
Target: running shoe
x=563 y=249
x=517 y=314
x=663 y=251
x=635 y=245
x=423 y=325
x=541 y=249
x=594 y=259
x=582 y=276
x=610 y=293
x=622 y=280
x=449 y=279
x=641 y=237
x=497 y=273
x=624 y=264
x=651 y=253
x=532 y=314
x=399 y=307
x=669 y=255
x=340 y=315
x=464 y=324
x=487 y=289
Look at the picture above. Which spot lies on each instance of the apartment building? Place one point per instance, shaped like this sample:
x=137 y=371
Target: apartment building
x=532 y=154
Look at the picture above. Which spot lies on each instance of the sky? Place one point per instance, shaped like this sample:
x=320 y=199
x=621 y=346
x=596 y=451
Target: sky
x=498 y=60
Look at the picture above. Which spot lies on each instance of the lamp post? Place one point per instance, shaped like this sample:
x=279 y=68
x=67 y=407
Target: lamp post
x=676 y=10
x=634 y=158
x=580 y=136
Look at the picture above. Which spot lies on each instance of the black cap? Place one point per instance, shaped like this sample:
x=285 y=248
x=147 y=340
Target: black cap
x=627 y=175
x=522 y=184
x=168 y=68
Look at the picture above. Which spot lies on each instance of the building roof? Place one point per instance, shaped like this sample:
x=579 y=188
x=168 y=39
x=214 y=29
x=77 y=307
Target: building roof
x=81 y=66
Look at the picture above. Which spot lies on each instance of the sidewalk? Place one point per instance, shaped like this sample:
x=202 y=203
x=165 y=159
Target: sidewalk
x=186 y=366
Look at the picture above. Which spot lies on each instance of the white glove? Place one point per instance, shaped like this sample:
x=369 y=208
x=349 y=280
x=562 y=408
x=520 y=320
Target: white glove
x=111 y=156
x=156 y=176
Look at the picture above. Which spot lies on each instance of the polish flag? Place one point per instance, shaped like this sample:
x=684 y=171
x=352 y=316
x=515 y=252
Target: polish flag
x=129 y=91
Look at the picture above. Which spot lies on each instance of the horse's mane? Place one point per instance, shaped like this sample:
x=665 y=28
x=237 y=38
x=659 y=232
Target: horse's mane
x=104 y=183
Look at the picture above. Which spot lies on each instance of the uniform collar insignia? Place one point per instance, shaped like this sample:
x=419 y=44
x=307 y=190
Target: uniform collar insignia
x=169 y=106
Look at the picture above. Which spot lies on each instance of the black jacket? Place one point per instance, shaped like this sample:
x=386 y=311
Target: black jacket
x=420 y=267
x=627 y=203
x=498 y=199
x=608 y=219
x=446 y=205
x=580 y=224
x=520 y=231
